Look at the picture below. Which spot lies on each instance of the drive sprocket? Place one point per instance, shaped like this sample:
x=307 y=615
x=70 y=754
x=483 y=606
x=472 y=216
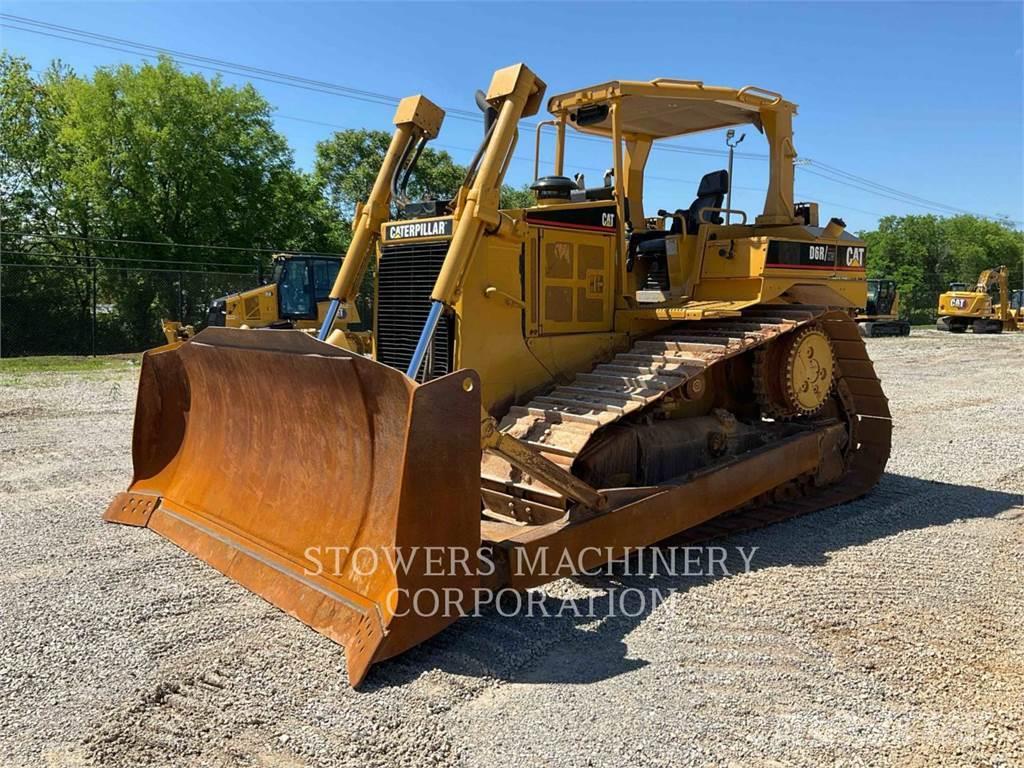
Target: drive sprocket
x=794 y=376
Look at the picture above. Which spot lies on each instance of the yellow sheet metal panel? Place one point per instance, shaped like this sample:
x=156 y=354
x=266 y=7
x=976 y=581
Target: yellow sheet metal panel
x=576 y=282
x=420 y=112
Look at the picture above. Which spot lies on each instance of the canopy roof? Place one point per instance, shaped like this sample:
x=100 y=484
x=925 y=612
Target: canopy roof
x=665 y=107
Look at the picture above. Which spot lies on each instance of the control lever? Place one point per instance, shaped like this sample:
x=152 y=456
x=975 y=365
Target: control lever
x=676 y=215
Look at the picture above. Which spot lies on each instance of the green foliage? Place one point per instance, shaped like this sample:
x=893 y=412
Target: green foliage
x=517 y=197
x=923 y=254
x=154 y=154
x=146 y=154
x=347 y=163
x=346 y=168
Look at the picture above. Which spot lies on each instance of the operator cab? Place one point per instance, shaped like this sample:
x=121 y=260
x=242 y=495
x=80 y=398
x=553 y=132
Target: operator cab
x=661 y=254
x=652 y=247
x=303 y=282
x=881 y=294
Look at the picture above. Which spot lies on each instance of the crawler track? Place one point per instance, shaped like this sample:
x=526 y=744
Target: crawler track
x=561 y=423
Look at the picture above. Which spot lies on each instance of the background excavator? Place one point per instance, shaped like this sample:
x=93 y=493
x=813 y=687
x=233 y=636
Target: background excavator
x=297 y=296
x=960 y=309
x=549 y=388
x=881 y=313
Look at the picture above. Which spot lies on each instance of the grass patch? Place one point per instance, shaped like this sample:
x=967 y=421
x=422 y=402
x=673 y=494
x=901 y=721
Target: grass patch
x=60 y=364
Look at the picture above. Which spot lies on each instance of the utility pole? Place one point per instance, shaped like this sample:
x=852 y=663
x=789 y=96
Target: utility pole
x=732 y=149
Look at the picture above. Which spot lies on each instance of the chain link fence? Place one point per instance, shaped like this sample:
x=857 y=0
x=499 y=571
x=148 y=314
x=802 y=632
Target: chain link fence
x=88 y=306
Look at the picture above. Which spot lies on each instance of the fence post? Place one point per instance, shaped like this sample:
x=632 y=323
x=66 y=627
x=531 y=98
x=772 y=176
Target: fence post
x=93 y=329
x=181 y=316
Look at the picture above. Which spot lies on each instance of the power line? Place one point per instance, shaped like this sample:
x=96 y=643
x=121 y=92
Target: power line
x=907 y=200
x=85 y=267
x=72 y=34
x=5 y=251
x=845 y=178
x=283 y=78
x=171 y=244
x=880 y=192
x=522 y=158
x=860 y=179
x=185 y=54
x=195 y=61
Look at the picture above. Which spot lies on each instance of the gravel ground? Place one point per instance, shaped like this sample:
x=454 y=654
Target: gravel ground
x=886 y=631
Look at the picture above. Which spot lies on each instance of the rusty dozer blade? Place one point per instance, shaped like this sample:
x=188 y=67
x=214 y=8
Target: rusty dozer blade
x=314 y=477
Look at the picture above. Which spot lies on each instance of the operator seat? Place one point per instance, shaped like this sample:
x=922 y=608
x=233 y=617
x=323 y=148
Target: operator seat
x=649 y=246
x=710 y=194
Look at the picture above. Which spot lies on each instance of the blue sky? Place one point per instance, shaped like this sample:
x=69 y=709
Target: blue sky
x=925 y=98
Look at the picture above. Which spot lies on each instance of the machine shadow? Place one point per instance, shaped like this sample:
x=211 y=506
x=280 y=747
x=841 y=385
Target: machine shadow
x=505 y=644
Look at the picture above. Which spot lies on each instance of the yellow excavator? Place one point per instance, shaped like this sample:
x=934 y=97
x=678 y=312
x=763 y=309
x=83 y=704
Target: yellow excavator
x=881 y=314
x=961 y=308
x=297 y=296
x=550 y=388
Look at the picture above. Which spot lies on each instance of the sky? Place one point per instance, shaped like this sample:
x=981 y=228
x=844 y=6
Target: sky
x=926 y=99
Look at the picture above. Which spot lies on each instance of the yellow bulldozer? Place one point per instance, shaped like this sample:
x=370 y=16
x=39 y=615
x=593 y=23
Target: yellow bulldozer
x=1015 y=310
x=881 y=313
x=986 y=309
x=297 y=296
x=550 y=388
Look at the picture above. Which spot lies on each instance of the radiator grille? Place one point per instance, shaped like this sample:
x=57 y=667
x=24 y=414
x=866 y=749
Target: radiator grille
x=405 y=280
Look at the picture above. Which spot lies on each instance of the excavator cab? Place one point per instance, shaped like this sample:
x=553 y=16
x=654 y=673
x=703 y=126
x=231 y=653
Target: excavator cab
x=881 y=295
x=880 y=315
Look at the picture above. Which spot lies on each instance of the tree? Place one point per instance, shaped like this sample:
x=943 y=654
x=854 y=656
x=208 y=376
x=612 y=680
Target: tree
x=346 y=168
x=517 y=197
x=347 y=163
x=149 y=154
x=923 y=254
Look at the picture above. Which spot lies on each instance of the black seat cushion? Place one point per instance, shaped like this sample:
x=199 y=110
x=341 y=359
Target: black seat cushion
x=710 y=194
x=638 y=239
x=651 y=248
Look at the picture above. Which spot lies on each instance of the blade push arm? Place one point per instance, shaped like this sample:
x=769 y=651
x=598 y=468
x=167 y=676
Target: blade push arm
x=417 y=120
x=515 y=92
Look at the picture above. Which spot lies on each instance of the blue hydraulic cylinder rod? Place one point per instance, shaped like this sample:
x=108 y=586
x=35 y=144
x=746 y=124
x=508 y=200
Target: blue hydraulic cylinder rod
x=425 y=337
x=332 y=312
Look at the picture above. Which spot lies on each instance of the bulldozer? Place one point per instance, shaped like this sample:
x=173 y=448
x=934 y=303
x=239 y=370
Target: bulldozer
x=961 y=308
x=881 y=313
x=297 y=296
x=1016 y=309
x=549 y=389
